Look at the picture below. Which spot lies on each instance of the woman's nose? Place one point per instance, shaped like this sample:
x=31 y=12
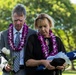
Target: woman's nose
x=42 y=28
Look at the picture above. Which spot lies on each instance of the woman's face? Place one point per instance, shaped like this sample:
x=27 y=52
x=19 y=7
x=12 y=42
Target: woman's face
x=43 y=27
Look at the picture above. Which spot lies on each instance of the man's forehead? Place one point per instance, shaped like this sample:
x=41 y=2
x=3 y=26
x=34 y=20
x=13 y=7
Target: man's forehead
x=15 y=16
x=18 y=15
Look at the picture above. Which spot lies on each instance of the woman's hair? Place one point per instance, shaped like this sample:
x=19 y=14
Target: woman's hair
x=44 y=16
x=19 y=9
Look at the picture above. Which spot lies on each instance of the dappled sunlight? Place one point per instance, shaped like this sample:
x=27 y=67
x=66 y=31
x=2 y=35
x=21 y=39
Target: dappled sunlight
x=73 y=1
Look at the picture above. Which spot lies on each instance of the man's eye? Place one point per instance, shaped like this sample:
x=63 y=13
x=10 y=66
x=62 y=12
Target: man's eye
x=18 y=20
x=15 y=20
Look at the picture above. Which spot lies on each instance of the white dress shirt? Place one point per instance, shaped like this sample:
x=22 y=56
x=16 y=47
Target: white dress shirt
x=22 y=51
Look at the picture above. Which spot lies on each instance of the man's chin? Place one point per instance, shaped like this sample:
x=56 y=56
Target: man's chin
x=18 y=28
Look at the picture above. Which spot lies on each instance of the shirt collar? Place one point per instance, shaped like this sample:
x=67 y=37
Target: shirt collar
x=14 y=30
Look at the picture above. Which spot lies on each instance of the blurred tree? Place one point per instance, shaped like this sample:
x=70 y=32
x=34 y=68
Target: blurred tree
x=5 y=12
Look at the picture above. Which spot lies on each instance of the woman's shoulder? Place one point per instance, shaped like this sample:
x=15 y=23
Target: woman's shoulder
x=58 y=38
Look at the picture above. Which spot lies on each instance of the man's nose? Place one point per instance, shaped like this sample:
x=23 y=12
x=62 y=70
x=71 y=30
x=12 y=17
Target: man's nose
x=18 y=22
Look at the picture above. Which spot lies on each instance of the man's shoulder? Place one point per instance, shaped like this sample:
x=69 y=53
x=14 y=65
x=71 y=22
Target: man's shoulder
x=4 y=32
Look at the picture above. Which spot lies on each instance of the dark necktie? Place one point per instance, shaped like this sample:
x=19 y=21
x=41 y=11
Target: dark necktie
x=17 y=53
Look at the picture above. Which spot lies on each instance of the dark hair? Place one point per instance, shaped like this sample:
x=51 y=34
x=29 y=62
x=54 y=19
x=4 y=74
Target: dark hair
x=19 y=9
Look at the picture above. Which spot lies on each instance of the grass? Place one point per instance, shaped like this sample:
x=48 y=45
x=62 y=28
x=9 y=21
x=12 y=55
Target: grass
x=69 y=73
x=0 y=73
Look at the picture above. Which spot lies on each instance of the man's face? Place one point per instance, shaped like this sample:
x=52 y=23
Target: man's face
x=18 y=21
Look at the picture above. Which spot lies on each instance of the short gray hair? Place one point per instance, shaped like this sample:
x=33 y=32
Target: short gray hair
x=19 y=9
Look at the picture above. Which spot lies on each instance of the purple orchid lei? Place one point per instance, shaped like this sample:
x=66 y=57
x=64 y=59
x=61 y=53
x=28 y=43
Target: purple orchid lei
x=23 y=38
x=45 y=47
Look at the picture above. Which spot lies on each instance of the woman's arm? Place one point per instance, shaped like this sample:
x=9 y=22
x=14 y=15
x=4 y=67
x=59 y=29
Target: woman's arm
x=46 y=63
x=32 y=62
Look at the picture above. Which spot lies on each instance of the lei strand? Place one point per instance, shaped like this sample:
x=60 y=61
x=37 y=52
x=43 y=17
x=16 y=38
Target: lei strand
x=23 y=38
x=45 y=47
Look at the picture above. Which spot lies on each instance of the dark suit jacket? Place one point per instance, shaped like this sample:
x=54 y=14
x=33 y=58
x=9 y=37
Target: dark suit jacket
x=4 y=39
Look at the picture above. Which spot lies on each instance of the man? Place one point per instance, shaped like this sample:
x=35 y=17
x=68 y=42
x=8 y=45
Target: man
x=18 y=31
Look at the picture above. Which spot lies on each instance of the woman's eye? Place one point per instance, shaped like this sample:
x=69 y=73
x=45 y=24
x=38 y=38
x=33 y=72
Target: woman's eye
x=45 y=26
x=40 y=26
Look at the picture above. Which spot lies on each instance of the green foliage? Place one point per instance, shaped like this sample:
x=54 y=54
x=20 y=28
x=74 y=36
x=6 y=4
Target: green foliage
x=5 y=12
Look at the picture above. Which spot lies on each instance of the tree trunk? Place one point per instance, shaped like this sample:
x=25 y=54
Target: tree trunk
x=72 y=66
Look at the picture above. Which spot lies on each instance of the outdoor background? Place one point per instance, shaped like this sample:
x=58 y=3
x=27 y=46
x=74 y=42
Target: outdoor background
x=63 y=12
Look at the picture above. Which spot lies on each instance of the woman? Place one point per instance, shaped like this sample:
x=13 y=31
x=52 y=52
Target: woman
x=42 y=45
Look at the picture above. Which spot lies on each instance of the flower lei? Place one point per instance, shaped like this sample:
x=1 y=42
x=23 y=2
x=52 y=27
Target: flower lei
x=23 y=38
x=45 y=47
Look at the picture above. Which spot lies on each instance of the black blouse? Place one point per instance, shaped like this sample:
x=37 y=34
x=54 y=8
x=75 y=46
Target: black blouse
x=34 y=51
